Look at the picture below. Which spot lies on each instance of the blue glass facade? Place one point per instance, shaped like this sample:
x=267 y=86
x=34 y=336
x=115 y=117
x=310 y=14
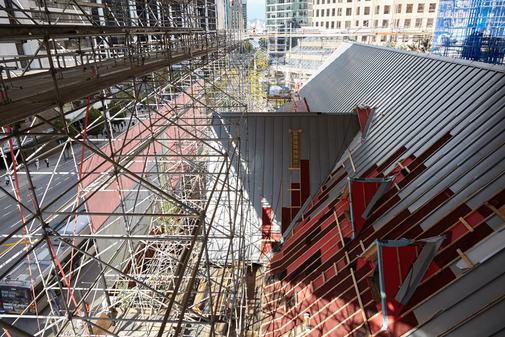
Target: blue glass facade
x=471 y=29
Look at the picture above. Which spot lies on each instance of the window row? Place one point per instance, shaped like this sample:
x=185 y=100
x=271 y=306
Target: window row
x=338 y=11
x=420 y=7
x=409 y=8
x=321 y=2
x=366 y=11
x=365 y=23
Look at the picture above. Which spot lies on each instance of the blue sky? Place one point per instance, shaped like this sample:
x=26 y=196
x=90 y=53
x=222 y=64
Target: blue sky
x=255 y=9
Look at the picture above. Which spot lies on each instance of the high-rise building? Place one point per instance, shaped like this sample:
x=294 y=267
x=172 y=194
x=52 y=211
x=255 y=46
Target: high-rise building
x=236 y=13
x=244 y=14
x=471 y=29
x=282 y=15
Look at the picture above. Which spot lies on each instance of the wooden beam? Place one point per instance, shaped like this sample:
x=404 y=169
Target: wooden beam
x=338 y=227
x=365 y=319
x=399 y=264
x=497 y=212
x=467 y=225
x=199 y=296
x=345 y=194
x=370 y=254
x=404 y=167
x=350 y=158
x=463 y=256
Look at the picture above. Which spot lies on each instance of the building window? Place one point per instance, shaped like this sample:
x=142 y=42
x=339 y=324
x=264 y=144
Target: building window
x=397 y=23
x=317 y=24
x=386 y=9
x=433 y=8
x=322 y=12
x=332 y=24
x=363 y=38
x=357 y=11
x=420 y=8
x=339 y=11
x=365 y=23
x=347 y=24
x=327 y=24
x=367 y=11
x=385 y=23
x=333 y=12
x=375 y=23
x=348 y=11
x=328 y=12
x=349 y=0
x=373 y=39
x=322 y=2
x=317 y=12
x=339 y=1
x=383 y=38
x=406 y=24
x=377 y=9
x=409 y=8
x=357 y=23
x=429 y=23
x=419 y=23
x=318 y=2
x=339 y=24
x=333 y=1
x=398 y=8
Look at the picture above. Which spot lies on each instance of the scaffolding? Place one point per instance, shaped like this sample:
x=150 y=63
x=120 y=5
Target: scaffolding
x=137 y=224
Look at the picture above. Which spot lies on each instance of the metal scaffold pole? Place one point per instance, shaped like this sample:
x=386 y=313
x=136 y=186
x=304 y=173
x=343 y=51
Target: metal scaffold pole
x=133 y=217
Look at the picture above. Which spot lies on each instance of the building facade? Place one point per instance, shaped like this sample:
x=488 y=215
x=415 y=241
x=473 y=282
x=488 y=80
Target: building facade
x=377 y=21
x=282 y=15
x=244 y=14
x=237 y=22
x=471 y=29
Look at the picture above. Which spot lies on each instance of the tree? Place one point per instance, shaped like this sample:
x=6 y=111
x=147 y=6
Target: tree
x=99 y=125
x=246 y=48
x=72 y=131
x=425 y=46
x=116 y=116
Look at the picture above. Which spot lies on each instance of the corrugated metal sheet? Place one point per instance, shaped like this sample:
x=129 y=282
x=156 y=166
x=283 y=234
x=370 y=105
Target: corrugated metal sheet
x=323 y=139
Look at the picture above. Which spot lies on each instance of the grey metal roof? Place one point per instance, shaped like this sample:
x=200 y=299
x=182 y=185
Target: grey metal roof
x=358 y=73
x=323 y=139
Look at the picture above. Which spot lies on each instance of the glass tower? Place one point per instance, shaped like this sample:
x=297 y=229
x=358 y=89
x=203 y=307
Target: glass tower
x=471 y=29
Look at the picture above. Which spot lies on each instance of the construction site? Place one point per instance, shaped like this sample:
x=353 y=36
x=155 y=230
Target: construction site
x=129 y=212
